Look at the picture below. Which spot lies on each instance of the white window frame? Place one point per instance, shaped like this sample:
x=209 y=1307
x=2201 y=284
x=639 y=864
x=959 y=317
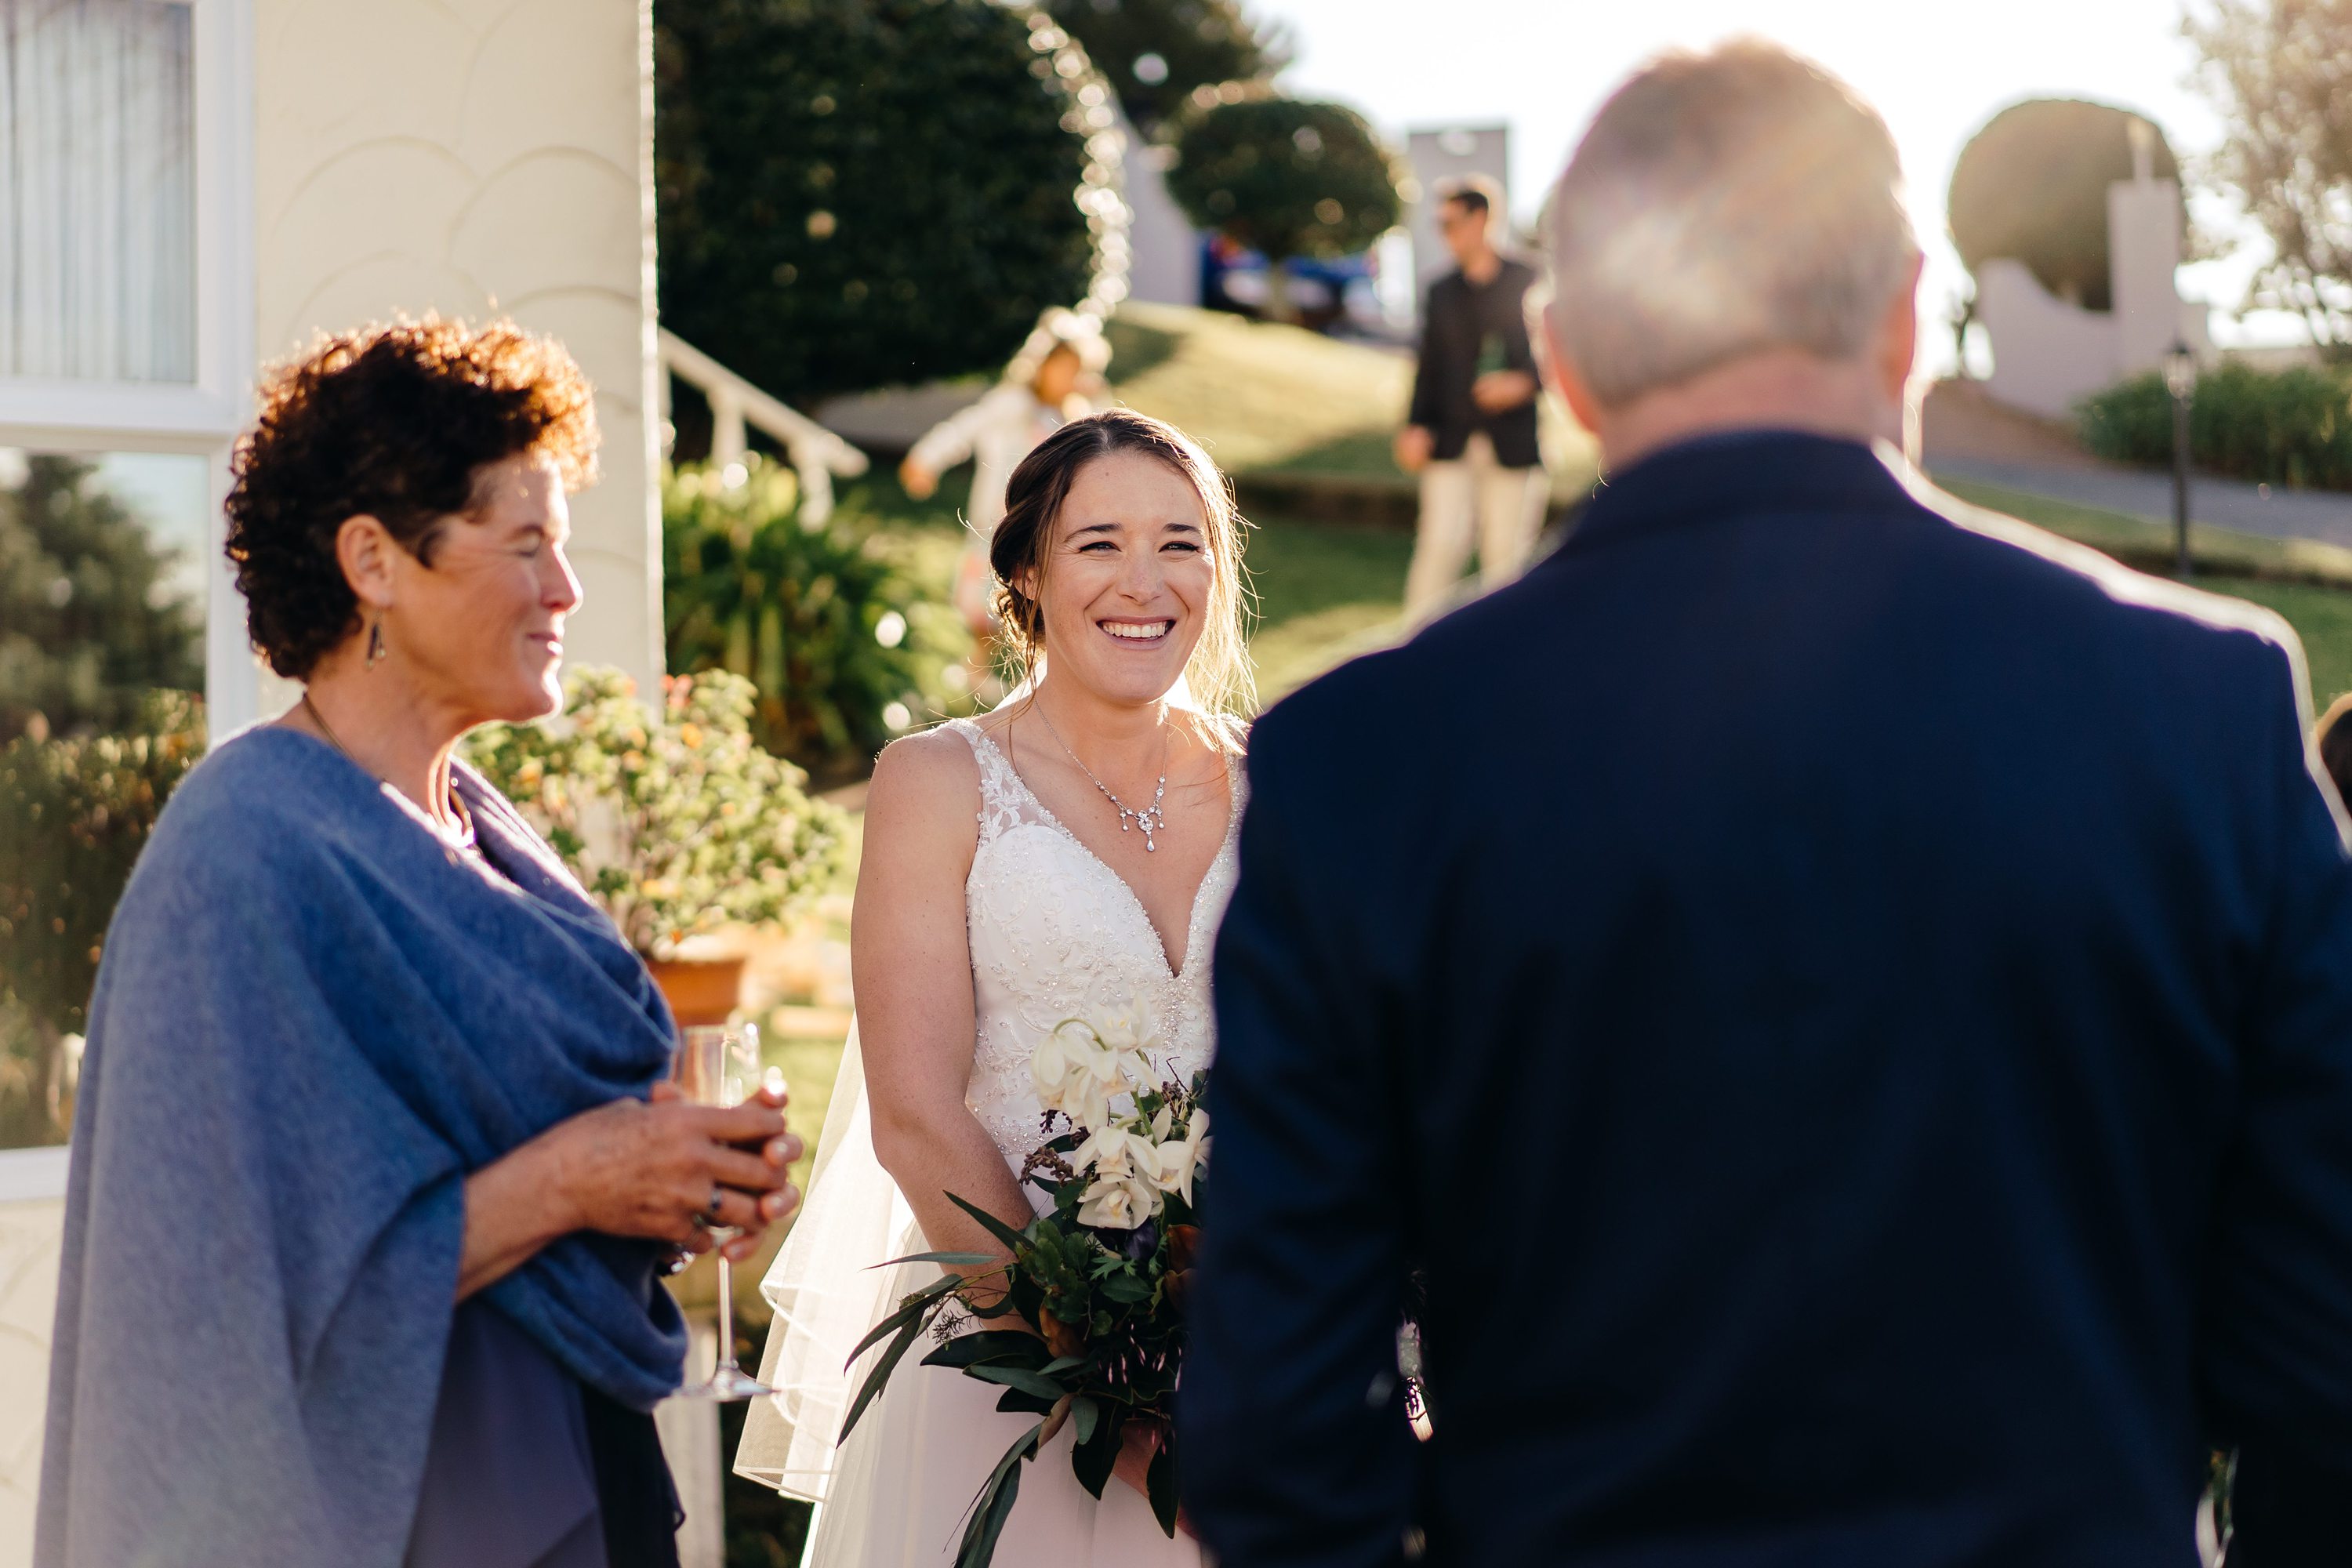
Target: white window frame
x=201 y=418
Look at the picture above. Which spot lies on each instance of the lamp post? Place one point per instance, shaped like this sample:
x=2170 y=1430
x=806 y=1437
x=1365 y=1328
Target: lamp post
x=2180 y=380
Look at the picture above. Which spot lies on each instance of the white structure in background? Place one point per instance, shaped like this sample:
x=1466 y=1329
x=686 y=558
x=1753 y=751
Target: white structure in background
x=1165 y=248
x=2047 y=353
x=815 y=453
x=1436 y=156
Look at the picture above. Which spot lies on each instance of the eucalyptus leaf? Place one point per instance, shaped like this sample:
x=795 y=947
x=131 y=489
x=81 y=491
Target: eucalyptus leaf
x=1001 y=1345
x=994 y=1506
x=993 y=1225
x=1020 y=1377
x=1159 y=1484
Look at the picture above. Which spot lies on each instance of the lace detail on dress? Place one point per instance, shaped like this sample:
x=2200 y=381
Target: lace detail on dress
x=1055 y=932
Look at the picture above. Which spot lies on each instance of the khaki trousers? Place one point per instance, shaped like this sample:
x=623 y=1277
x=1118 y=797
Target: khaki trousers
x=1471 y=499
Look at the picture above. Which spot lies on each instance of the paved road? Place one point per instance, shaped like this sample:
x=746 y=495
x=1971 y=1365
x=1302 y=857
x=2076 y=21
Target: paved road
x=2224 y=504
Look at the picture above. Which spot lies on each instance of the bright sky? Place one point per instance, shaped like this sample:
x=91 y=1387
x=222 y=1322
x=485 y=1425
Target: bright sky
x=1936 y=68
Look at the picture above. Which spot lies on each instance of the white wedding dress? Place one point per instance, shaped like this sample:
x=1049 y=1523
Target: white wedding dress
x=1055 y=932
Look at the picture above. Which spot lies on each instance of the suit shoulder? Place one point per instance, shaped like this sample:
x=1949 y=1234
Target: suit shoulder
x=2215 y=625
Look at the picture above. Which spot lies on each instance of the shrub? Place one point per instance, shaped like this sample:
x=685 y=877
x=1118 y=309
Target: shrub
x=2290 y=427
x=860 y=192
x=1286 y=179
x=2032 y=185
x=824 y=622
x=667 y=813
x=74 y=814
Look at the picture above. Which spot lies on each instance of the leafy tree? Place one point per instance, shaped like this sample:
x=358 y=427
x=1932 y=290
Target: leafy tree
x=87 y=622
x=2275 y=72
x=859 y=192
x=1158 y=53
x=1287 y=178
x=2033 y=186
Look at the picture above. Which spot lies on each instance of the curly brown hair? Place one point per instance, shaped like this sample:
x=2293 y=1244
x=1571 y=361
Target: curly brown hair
x=395 y=423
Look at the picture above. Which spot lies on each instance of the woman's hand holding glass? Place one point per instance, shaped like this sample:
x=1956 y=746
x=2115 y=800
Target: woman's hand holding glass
x=652 y=1169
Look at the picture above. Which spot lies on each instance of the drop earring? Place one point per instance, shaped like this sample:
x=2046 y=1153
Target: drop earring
x=375 y=644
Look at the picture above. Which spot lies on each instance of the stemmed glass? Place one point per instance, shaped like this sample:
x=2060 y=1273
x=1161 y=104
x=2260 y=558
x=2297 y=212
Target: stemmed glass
x=719 y=1064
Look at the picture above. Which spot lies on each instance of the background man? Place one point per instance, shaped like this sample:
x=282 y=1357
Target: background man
x=1472 y=435
x=1846 y=999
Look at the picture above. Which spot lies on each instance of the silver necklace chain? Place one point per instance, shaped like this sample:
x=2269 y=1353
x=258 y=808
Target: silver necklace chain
x=460 y=836
x=1151 y=818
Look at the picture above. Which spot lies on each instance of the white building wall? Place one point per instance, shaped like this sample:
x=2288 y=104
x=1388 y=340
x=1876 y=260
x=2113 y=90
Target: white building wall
x=2048 y=355
x=1165 y=247
x=30 y=1234
x=475 y=157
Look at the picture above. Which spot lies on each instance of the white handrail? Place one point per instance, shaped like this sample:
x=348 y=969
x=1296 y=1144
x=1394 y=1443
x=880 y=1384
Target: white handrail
x=817 y=453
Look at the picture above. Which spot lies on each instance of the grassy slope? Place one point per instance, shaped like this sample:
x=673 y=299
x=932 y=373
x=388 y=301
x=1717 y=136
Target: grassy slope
x=1267 y=399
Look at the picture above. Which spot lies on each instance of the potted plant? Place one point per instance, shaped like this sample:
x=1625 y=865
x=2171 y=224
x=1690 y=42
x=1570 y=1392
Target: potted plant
x=670 y=816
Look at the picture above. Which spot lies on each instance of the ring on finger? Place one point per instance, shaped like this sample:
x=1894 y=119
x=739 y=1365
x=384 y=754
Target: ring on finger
x=710 y=1209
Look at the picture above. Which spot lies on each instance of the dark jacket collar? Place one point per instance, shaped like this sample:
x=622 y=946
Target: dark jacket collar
x=1743 y=471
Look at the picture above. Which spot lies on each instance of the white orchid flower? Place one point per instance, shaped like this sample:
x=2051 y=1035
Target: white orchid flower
x=1118 y=1203
x=1117 y=1150
x=1174 y=1160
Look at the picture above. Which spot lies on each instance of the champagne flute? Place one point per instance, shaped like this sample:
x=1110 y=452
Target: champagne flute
x=719 y=1064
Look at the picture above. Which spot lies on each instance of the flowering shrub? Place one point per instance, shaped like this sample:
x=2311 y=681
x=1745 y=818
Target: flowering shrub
x=668 y=814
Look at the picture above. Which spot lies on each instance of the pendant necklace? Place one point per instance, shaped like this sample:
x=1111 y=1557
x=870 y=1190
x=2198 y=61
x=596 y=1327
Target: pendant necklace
x=1151 y=818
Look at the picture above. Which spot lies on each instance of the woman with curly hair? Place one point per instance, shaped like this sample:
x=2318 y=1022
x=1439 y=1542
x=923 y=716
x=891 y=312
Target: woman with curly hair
x=373 y=1169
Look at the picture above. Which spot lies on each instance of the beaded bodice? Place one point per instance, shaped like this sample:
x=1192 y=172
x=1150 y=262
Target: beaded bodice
x=1056 y=933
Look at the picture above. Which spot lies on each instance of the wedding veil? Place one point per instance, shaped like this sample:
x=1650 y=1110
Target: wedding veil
x=827 y=1293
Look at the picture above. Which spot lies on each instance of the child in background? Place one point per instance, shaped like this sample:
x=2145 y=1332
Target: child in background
x=1056 y=377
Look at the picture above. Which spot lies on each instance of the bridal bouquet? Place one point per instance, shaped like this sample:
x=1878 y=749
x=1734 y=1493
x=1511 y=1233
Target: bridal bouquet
x=1100 y=1275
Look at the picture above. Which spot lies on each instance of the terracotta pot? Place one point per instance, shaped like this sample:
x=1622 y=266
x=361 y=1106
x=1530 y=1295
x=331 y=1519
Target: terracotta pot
x=699 y=990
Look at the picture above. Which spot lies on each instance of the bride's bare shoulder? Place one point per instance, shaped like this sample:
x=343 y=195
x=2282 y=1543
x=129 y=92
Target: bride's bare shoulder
x=925 y=787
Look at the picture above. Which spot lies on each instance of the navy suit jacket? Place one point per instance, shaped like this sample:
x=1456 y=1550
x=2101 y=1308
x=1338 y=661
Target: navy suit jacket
x=1849 y=999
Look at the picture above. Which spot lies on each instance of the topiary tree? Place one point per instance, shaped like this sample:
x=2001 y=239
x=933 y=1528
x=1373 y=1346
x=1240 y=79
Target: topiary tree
x=860 y=192
x=2033 y=186
x=1158 y=53
x=1287 y=178
x=87 y=625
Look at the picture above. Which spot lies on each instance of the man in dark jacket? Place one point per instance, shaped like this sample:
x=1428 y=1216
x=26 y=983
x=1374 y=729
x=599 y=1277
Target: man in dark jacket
x=1844 y=1000
x=1471 y=430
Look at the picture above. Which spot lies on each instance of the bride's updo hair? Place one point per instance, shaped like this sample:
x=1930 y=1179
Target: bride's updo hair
x=1219 y=671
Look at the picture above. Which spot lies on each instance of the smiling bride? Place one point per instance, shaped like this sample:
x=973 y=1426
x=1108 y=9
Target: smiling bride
x=1071 y=851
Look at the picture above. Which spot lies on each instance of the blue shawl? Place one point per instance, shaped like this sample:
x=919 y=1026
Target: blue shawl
x=311 y=1021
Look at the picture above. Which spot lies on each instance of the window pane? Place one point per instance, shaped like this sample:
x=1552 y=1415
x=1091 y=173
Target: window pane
x=101 y=668
x=98 y=273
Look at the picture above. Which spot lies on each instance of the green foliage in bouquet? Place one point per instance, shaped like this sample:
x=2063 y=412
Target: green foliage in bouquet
x=1101 y=1277
x=669 y=814
x=74 y=814
x=823 y=621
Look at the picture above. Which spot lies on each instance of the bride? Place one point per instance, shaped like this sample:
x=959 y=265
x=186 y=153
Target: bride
x=1072 y=850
